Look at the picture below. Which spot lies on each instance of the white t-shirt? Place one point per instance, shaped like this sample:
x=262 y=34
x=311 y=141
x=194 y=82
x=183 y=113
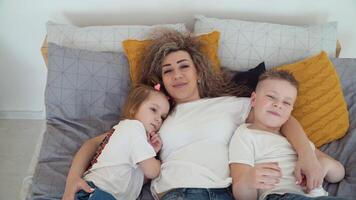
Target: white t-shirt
x=251 y=146
x=195 y=141
x=116 y=170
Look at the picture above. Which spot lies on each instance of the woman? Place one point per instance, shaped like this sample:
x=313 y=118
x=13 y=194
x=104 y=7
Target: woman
x=196 y=135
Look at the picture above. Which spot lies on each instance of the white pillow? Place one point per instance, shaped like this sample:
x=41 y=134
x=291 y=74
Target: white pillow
x=244 y=44
x=100 y=38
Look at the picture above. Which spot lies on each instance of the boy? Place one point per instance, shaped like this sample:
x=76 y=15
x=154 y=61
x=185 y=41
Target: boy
x=259 y=150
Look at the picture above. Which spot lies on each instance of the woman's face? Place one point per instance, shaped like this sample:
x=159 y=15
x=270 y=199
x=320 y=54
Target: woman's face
x=180 y=77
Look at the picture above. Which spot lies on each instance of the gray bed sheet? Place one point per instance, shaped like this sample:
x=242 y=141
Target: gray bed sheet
x=344 y=149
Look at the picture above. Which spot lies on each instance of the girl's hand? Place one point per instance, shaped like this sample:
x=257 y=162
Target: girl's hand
x=155 y=141
x=309 y=166
x=264 y=176
x=73 y=186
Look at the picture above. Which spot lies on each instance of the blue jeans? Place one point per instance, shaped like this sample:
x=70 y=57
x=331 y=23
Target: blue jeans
x=290 y=196
x=98 y=194
x=199 y=194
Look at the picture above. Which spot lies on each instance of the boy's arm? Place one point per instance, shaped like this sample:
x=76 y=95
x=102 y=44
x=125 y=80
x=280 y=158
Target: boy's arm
x=151 y=167
x=247 y=179
x=240 y=188
x=307 y=163
x=81 y=160
x=333 y=169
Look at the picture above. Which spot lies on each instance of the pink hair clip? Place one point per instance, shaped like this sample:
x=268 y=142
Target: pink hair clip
x=157 y=87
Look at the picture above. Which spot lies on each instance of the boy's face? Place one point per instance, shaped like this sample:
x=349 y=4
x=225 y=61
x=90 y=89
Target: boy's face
x=273 y=103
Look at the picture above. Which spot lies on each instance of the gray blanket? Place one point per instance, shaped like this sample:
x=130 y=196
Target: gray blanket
x=344 y=149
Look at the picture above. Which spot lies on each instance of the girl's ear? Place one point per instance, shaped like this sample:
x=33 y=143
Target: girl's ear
x=253 y=99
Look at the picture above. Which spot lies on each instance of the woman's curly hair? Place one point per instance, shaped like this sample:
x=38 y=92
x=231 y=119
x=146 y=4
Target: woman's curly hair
x=164 y=42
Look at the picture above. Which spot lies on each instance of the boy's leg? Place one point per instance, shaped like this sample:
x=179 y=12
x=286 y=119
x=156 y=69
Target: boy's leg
x=290 y=196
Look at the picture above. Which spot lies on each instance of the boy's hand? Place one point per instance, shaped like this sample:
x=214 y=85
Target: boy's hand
x=264 y=176
x=155 y=141
x=75 y=185
x=309 y=166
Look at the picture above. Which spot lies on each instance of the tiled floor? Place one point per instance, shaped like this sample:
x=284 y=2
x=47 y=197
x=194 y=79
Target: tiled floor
x=17 y=145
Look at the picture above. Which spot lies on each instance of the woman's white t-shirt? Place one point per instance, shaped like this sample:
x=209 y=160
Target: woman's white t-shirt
x=196 y=140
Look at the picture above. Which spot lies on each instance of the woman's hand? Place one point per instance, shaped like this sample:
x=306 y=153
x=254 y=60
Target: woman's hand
x=155 y=141
x=73 y=186
x=264 y=176
x=309 y=166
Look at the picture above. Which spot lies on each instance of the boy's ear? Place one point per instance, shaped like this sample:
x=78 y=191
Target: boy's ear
x=253 y=99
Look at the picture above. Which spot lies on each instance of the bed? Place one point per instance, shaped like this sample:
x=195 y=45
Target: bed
x=89 y=76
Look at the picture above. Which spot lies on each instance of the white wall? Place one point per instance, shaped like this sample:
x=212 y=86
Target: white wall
x=22 y=22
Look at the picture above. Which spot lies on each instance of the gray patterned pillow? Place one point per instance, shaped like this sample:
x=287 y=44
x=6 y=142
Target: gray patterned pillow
x=101 y=38
x=245 y=44
x=83 y=96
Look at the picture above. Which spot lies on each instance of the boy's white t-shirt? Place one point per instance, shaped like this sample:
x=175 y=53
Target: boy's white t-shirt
x=251 y=146
x=116 y=170
x=195 y=141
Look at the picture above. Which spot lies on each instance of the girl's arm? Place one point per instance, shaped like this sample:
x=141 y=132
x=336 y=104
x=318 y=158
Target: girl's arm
x=333 y=169
x=81 y=160
x=307 y=163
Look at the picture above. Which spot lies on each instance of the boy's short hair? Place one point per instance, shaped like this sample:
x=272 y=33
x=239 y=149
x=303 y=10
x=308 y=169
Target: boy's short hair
x=279 y=75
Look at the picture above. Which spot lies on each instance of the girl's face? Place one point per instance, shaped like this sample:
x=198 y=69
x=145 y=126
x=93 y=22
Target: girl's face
x=153 y=111
x=180 y=77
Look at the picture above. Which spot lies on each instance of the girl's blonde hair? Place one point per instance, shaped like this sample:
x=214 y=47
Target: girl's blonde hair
x=137 y=95
x=211 y=84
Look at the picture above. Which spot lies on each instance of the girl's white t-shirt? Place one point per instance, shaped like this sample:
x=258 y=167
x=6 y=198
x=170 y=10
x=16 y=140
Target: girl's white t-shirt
x=116 y=170
x=196 y=140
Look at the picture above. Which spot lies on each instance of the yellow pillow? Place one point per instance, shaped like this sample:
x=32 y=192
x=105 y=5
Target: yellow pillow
x=320 y=107
x=133 y=50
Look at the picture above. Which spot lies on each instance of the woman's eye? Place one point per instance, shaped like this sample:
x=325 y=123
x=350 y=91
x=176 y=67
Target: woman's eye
x=153 y=109
x=184 y=66
x=167 y=71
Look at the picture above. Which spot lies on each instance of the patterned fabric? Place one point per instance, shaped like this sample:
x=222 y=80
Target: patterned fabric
x=320 y=107
x=100 y=38
x=83 y=96
x=100 y=149
x=244 y=44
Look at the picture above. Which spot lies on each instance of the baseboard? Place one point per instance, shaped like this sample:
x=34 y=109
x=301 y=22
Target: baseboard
x=22 y=114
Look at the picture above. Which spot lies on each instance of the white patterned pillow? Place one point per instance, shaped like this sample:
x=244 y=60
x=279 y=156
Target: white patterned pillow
x=245 y=44
x=100 y=38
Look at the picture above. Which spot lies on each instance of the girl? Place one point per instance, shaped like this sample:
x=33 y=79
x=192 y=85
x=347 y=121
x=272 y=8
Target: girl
x=118 y=171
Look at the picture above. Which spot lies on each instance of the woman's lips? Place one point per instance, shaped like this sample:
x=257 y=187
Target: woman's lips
x=179 y=85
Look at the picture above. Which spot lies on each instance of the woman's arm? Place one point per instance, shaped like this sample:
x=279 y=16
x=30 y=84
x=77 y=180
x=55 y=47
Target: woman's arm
x=151 y=167
x=81 y=160
x=307 y=163
x=333 y=169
